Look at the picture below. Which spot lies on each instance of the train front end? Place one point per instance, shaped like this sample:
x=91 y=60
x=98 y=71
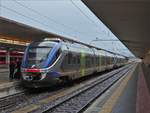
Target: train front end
x=39 y=64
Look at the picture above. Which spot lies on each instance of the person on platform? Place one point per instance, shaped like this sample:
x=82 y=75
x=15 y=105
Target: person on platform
x=12 y=66
x=17 y=73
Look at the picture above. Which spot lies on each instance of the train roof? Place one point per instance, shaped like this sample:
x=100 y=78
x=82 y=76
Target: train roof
x=79 y=42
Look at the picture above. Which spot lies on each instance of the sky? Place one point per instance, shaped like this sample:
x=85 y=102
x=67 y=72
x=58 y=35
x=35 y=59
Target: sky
x=70 y=18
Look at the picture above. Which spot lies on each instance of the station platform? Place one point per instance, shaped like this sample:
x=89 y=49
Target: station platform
x=7 y=86
x=131 y=94
x=5 y=82
x=4 y=75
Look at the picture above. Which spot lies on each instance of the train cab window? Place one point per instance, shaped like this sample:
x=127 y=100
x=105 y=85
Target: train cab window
x=39 y=51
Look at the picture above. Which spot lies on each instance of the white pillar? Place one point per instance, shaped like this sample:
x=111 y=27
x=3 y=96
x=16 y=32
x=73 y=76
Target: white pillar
x=8 y=57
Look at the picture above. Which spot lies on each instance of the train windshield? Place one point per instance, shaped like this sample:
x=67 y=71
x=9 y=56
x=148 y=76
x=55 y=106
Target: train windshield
x=38 y=52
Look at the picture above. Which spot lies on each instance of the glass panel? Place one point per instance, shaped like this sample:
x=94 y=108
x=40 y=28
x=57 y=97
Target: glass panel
x=37 y=55
x=38 y=52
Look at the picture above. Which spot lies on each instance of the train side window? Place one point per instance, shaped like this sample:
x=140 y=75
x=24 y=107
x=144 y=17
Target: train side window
x=97 y=60
x=93 y=60
x=108 y=60
x=103 y=60
x=69 y=58
x=78 y=59
x=74 y=60
x=87 y=63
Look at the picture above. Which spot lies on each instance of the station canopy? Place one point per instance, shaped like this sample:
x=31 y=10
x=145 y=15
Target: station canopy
x=129 y=20
x=22 y=32
x=17 y=35
x=11 y=30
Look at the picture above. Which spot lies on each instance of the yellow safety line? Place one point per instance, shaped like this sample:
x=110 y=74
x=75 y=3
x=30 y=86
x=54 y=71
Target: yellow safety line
x=108 y=106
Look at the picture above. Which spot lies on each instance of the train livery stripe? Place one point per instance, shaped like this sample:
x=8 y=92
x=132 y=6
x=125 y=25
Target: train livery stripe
x=82 y=67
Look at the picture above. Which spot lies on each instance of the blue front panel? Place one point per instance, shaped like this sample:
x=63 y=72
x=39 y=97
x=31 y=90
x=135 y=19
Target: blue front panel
x=53 y=74
x=51 y=56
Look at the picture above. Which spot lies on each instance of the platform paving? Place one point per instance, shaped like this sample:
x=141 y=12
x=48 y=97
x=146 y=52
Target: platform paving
x=146 y=71
x=127 y=100
x=7 y=87
x=5 y=82
x=4 y=76
x=143 y=95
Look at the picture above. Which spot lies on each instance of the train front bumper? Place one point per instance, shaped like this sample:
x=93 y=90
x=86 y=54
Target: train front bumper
x=40 y=80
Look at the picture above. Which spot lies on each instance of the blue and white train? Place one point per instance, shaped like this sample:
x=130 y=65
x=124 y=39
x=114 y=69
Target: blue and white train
x=48 y=61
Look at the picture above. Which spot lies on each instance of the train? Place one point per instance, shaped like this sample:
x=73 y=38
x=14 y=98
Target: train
x=46 y=62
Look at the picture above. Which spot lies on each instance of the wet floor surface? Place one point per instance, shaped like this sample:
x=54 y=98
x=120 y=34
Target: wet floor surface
x=4 y=76
x=7 y=86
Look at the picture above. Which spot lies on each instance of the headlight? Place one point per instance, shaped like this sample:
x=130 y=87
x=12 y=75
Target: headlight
x=43 y=75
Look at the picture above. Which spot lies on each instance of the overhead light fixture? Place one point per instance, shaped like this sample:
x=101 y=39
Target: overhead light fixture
x=10 y=40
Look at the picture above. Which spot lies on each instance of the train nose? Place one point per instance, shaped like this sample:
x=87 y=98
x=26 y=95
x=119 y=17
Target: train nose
x=29 y=78
x=33 y=76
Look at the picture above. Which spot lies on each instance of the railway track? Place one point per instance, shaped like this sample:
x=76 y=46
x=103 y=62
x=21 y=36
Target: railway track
x=10 y=101
x=77 y=101
x=23 y=99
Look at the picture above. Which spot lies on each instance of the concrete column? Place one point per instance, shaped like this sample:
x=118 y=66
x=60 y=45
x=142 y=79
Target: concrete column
x=8 y=56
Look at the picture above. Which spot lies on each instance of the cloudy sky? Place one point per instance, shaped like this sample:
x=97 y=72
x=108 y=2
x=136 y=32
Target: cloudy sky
x=70 y=18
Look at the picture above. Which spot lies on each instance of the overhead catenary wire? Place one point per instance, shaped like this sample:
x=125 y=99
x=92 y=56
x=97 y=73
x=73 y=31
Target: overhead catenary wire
x=29 y=18
x=87 y=17
x=59 y=23
x=81 y=11
x=48 y=18
x=31 y=9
